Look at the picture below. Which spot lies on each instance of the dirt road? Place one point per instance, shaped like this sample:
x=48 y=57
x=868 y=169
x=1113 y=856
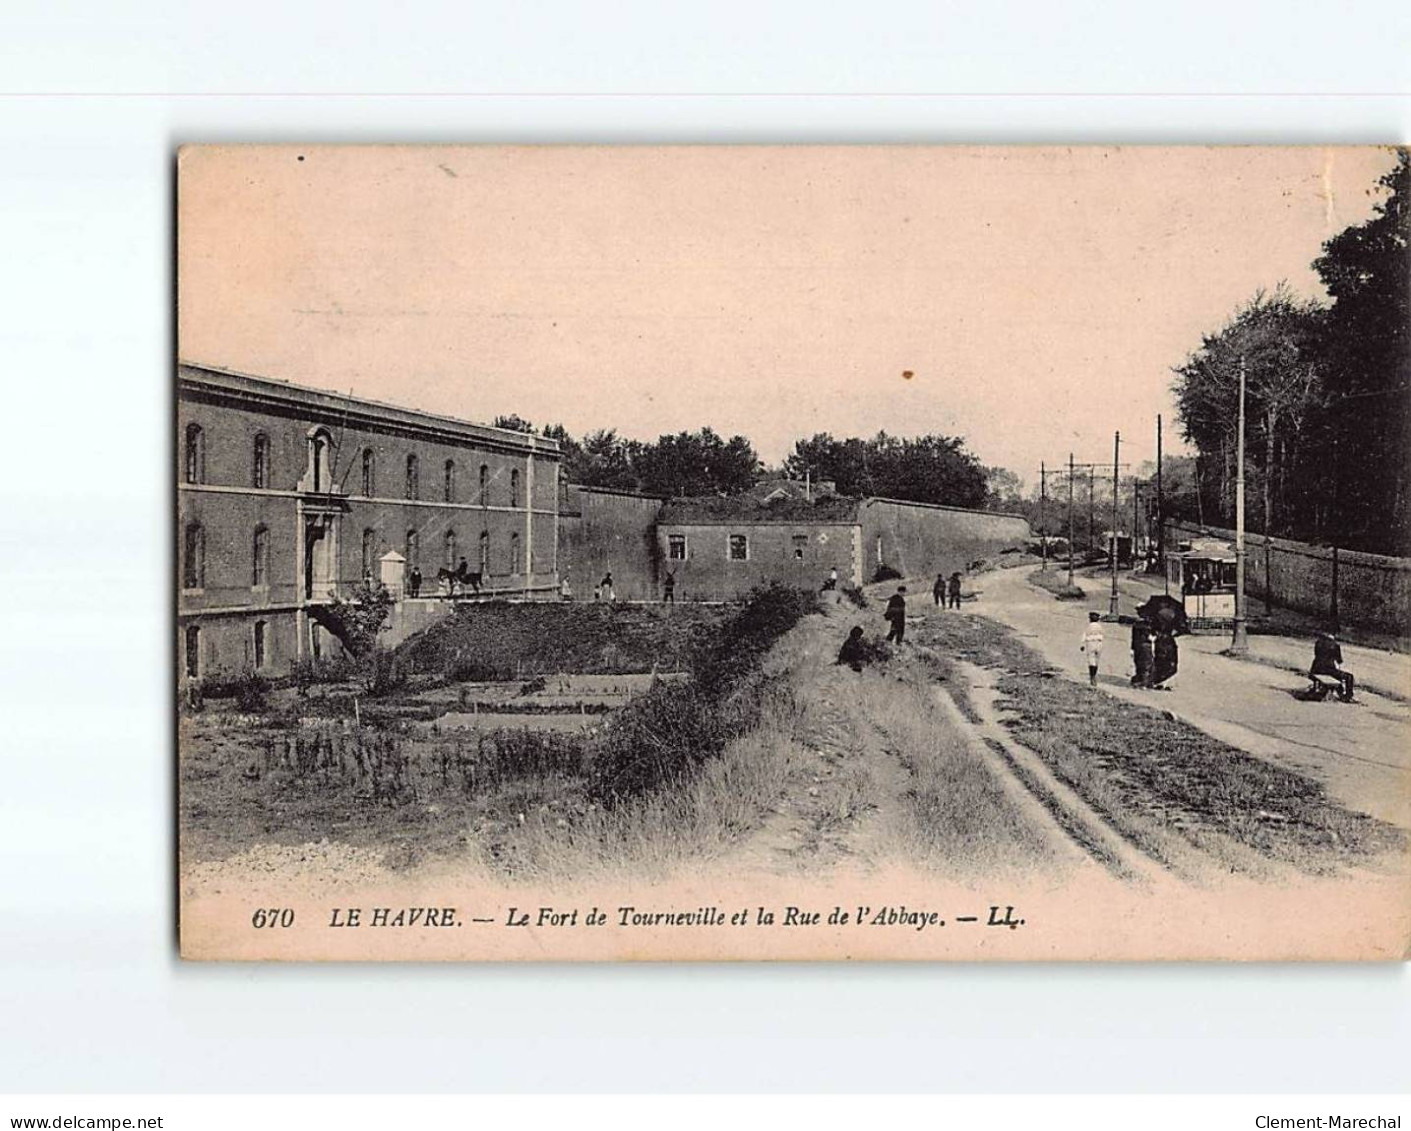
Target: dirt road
x=1359 y=752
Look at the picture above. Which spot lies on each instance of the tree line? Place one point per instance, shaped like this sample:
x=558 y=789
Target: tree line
x=926 y=469
x=1328 y=394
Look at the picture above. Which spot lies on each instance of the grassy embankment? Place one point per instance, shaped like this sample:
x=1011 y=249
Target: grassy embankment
x=682 y=771
x=1167 y=787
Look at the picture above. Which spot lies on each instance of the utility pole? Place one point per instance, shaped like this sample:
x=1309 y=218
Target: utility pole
x=1239 y=645
x=1136 y=516
x=1043 y=499
x=1092 y=482
x=1112 y=546
x=1161 y=514
x=1070 y=518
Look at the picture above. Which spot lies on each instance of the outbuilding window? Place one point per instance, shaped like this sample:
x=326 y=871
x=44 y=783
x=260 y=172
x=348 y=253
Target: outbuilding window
x=676 y=547
x=739 y=548
x=514 y=488
x=261 y=644
x=450 y=491
x=413 y=477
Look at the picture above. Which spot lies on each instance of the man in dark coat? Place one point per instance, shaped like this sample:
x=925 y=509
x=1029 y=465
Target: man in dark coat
x=938 y=591
x=954 y=590
x=416 y=582
x=1327 y=660
x=1141 y=652
x=896 y=615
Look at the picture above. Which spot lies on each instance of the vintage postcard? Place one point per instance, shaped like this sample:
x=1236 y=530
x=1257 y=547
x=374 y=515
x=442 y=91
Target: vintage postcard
x=736 y=553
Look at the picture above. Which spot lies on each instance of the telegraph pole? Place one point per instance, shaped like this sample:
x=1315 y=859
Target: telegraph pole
x=1043 y=498
x=1070 y=518
x=1092 y=482
x=1112 y=551
x=1239 y=645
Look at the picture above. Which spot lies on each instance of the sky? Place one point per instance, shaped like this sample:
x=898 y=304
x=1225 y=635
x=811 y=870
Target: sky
x=1029 y=299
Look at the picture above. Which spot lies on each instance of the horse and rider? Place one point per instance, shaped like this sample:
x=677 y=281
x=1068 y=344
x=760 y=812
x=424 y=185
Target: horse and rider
x=462 y=576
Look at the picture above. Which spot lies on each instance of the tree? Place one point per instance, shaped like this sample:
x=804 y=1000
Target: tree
x=1367 y=357
x=695 y=463
x=514 y=422
x=926 y=469
x=1276 y=336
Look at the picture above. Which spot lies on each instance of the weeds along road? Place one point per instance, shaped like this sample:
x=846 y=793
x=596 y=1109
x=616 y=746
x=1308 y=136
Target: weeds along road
x=1358 y=752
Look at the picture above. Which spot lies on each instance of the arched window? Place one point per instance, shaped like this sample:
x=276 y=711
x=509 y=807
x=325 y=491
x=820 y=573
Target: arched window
x=450 y=481
x=369 y=473
x=259 y=472
x=195 y=454
x=413 y=474
x=450 y=549
x=484 y=485
x=370 y=553
x=320 y=460
x=514 y=488
x=485 y=553
x=193 y=651
x=516 y=565
x=259 y=569
x=413 y=554
x=193 y=557
x=261 y=641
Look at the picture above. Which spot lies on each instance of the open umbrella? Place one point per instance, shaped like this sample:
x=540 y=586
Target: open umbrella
x=1163 y=611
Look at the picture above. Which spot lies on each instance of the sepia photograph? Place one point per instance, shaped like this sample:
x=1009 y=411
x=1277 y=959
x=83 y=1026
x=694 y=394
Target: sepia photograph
x=792 y=552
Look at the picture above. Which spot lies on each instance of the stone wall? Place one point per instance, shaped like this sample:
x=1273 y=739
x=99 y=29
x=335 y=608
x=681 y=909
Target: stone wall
x=922 y=540
x=603 y=531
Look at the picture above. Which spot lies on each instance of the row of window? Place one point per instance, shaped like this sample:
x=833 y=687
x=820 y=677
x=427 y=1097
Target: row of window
x=193 y=558
x=320 y=443
x=737 y=547
x=451 y=552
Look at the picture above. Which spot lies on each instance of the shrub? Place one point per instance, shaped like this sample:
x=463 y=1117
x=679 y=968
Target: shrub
x=249 y=690
x=669 y=733
x=384 y=672
x=855 y=595
x=886 y=573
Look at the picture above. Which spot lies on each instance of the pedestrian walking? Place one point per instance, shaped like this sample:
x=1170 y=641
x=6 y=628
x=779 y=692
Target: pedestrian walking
x=415 y=582
x=605 y=589
x=1165 y=660
x=1141 y=652
x=1091 y=646
x=896 y=615
x=938 y=591
x=953 y=589
x=668 y=588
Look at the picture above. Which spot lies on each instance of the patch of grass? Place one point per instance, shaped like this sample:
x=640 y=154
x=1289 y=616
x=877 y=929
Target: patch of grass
x=500 y=640
x=1055 y=581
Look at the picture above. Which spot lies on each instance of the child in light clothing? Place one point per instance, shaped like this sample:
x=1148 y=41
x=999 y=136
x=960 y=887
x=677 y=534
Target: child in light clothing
x=1092 y=646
